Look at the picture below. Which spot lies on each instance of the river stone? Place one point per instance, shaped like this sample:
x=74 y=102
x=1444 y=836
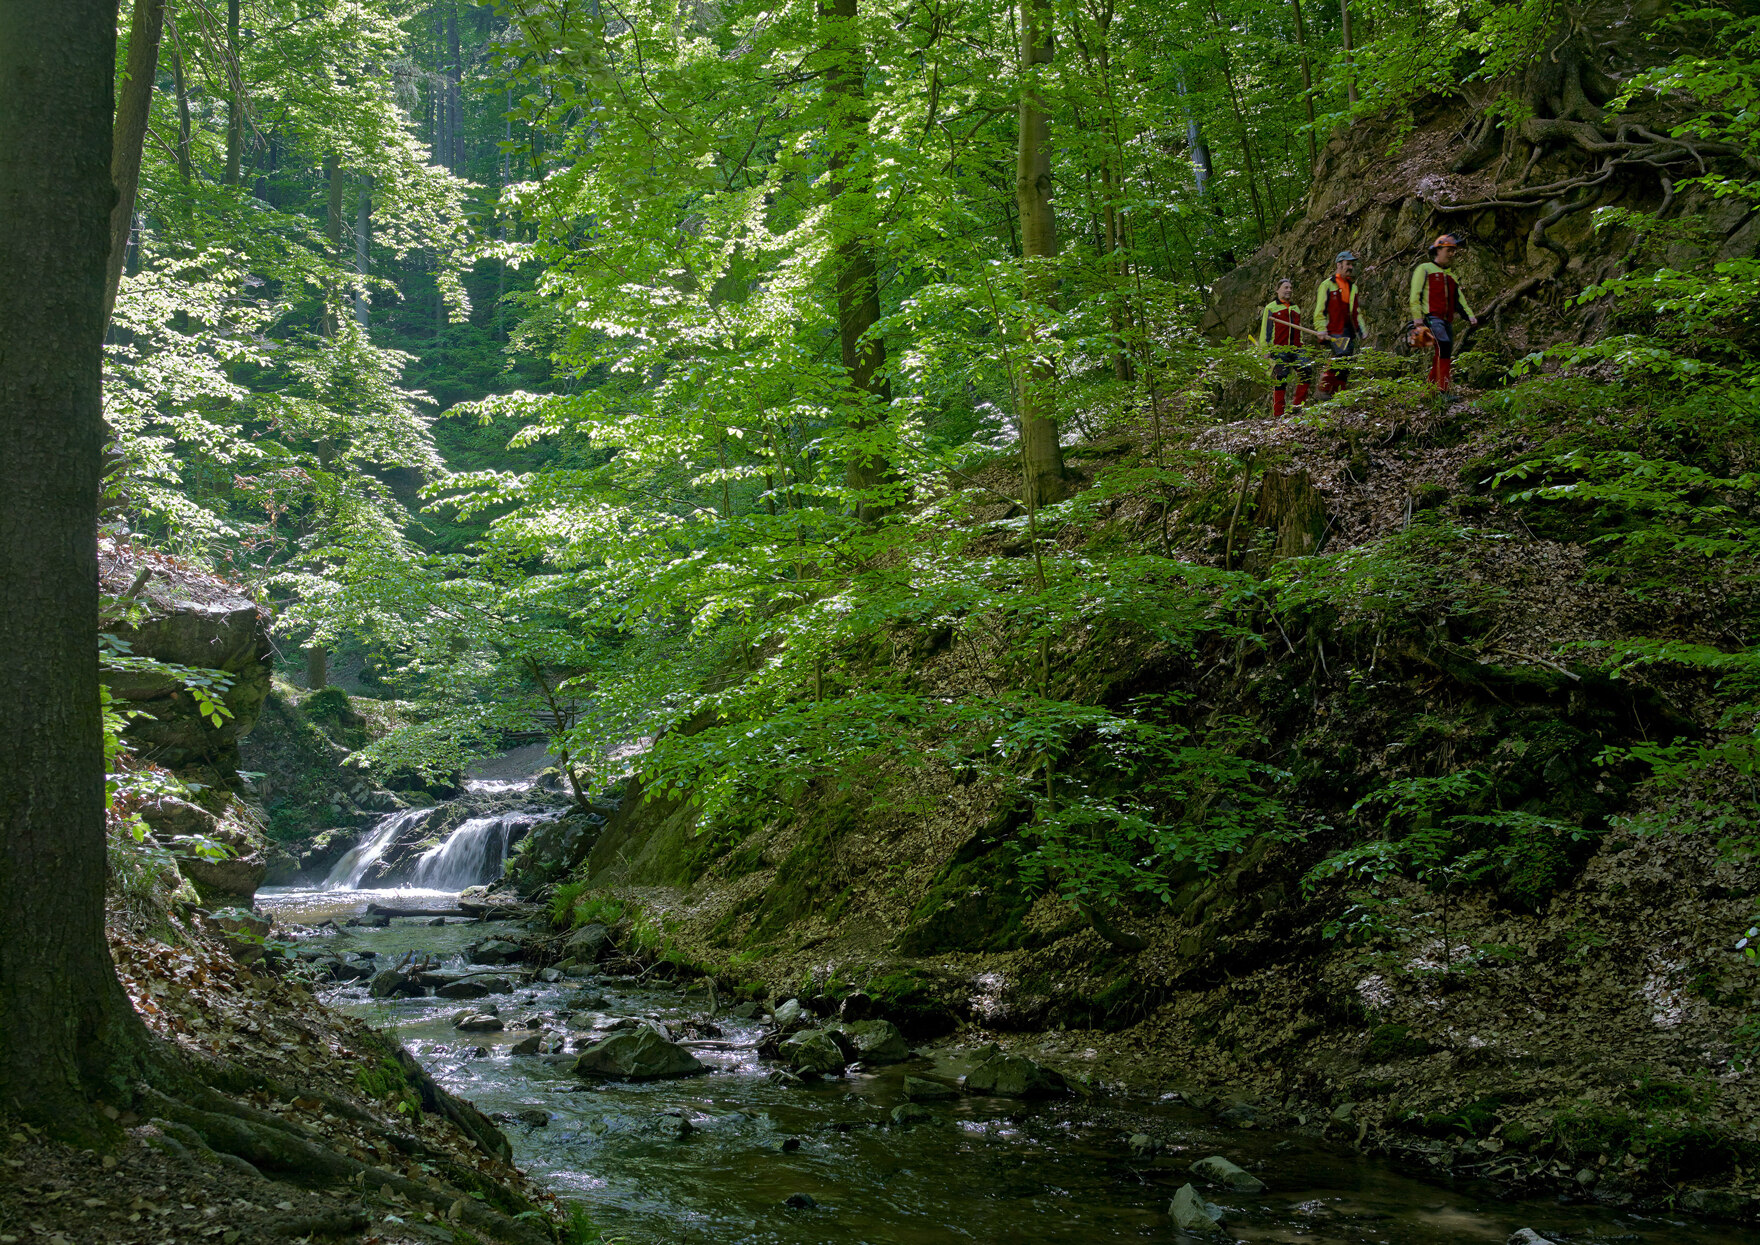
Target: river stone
x=1526 y=1236
x=392 y=984
x=498 y=951
x=1219 y=1171
x=527 y=1046
x=814 y=1049
x=586 y=1000
x=908 y=1113
x=747 y=1011
x=1143 y=1145
x=799 y=1201
x=785 y=1078
x=792 y=1015
x=638 y=1055
x=479 y=1022
x=1011 y=1076
x=856 y=1006
x=917 y=1089
x=877 y=1041
x=462 y=990
x=590 y=943
x=533 y=1117
x=1192 y=1213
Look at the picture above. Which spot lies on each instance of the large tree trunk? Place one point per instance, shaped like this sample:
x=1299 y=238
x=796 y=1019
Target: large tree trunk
x=235 y=109
x=855 y=279
x=66 y=1029
x=130 y=133
x=1041 y=452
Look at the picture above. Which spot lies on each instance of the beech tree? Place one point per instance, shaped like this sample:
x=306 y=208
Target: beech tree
x=67 y=1031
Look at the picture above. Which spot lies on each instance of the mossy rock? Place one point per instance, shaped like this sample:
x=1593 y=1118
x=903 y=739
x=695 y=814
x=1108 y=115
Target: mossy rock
x=1389 y=1043
x=973 y=905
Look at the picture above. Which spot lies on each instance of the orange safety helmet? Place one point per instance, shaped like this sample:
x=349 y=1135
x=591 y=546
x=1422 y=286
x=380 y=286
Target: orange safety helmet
x=1447 y=239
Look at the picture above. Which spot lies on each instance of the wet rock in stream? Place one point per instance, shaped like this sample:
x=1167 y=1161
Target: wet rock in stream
x=875 y=1041
x=813 y=1049
x=1012 y=1076
x=479 y=1022
x=1526 y=1236
x=917 y=1089
x=1191 y=1213
x=638 y=1055
x=1219 y=1171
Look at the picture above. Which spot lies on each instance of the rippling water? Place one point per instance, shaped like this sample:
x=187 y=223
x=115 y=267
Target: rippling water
x=986 y=1170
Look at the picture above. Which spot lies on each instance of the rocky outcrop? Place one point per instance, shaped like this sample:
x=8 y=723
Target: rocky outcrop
x=176 y=614
x=224 y=858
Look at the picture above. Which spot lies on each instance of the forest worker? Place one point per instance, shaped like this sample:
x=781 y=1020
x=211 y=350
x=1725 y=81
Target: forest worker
x=1435 y=302
x=1280 y=334
x=1335 y=314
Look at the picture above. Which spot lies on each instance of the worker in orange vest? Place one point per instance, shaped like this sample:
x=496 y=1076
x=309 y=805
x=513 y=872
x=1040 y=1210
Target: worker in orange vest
x=1280 y=335
x=1335 y=313
x=1436 y=301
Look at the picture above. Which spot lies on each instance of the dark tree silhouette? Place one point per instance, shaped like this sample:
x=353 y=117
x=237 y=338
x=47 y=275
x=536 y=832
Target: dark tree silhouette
x=67 y=1032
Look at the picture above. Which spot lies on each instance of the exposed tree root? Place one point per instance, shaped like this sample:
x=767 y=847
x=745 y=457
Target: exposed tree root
x=270 y=1143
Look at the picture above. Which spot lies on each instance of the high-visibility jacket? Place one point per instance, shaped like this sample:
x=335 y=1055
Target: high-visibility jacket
x=1435 y=292
x=1335 y=306
x=1277 y=325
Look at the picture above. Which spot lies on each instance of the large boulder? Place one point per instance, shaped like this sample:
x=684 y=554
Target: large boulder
x=1011 y=1076
x=191 y=619
x=222 y=858
x=638 y=1055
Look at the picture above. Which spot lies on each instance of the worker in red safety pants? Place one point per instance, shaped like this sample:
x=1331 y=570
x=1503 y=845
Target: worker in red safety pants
x=1335 y=313
x=1435 y=303
x=1280 y=334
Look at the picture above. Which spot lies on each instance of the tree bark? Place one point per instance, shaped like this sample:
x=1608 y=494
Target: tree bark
x=854 y=274
x=66 y=1029
x=1041 y=451
x=234 y=110
x=130 y=132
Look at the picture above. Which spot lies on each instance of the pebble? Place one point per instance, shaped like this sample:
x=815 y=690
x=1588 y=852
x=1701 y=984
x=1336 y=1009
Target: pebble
x=800 y=1201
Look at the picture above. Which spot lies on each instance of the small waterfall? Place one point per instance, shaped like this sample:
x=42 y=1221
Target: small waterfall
x=474 y=853
x=348 y=872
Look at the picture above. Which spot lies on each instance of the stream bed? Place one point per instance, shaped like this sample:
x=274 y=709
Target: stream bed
x=983 y=1169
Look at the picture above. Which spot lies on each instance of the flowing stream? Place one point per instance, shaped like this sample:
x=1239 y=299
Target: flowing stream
x=985 y=1170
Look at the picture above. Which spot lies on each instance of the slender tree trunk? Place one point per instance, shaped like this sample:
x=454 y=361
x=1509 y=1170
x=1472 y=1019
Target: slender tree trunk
x=1041 y=452
x=181 y=86
x=317 y=667
x=130 y=132
x=454 y=76
x=1307 y=83
x=67 y=1031
x=1350 y=60
x=235 y=110
x=363 y=236
x=855 y=278
x=333 y=234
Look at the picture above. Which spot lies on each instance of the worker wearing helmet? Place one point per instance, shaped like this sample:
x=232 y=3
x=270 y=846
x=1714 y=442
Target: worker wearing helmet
x=1335 y=312
x=1435 y=302
x=1280 y=335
